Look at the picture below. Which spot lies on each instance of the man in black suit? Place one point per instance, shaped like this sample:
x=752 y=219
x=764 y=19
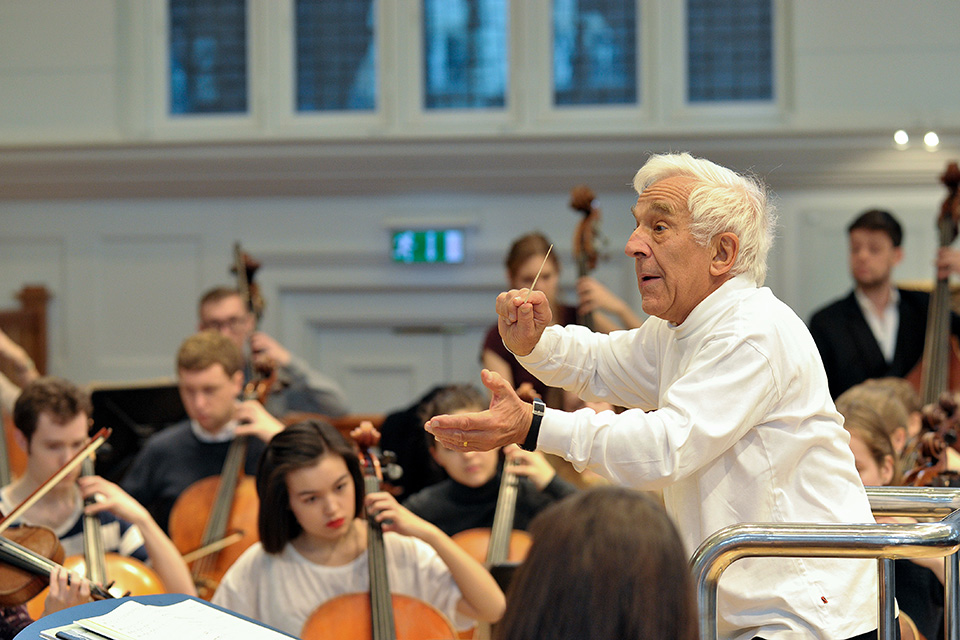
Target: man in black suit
x=878 y=329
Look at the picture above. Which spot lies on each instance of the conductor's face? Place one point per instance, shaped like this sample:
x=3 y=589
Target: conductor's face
x=673 y=270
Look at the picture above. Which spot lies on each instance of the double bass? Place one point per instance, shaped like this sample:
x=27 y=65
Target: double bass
x=584 y=239
x=939 y=370
x=227 y=505
x=379 y=614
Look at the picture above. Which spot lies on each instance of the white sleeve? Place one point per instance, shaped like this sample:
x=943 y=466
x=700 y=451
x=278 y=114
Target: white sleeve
x=725 y=390
x=619 y=367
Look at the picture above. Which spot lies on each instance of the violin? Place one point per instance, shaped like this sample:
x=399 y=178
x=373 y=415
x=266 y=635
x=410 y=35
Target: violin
x=29 y=553
x=121 y=575
x=379 y=614
x=210 y=546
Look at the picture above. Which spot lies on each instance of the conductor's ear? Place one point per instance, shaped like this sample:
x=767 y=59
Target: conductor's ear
x=726 y=246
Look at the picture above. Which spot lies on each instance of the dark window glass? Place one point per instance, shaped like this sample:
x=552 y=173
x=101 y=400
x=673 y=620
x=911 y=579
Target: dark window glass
x=730 y=50
x=208 y=56
x=465 y=53
x=336 y=55
x=594 y=52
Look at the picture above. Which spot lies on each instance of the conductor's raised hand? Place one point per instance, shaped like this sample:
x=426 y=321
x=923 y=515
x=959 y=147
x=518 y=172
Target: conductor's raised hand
x=522 y=316
x=506 y=421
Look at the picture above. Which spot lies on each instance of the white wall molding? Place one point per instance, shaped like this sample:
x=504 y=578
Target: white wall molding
x=337 y=168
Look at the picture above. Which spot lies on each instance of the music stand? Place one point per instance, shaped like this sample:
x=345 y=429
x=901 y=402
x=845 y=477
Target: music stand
x=135 y=412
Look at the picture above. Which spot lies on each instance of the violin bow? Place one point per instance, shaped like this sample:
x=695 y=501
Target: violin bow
x=92 y=445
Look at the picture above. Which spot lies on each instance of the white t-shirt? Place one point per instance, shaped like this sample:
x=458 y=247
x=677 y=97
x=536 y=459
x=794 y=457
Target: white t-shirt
x=282 y=590
x=740 y=428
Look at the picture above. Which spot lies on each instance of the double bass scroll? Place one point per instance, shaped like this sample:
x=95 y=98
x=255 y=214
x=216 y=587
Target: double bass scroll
x=585 y=239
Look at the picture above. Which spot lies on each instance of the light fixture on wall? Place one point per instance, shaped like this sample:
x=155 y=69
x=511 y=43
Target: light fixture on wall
x=901 y=139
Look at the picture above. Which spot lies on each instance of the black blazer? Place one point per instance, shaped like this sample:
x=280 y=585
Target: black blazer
x=851 y=354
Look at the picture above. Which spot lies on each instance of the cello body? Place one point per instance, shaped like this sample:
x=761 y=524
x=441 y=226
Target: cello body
x=190 y=532
x=377 y=614
x=476 y=542
x=350 y=616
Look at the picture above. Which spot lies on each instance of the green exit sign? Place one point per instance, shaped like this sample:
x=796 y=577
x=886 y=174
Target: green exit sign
x=444 y=246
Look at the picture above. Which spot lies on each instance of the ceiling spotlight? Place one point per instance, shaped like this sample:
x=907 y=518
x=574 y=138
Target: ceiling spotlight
x=931 y=140
x=901 y=139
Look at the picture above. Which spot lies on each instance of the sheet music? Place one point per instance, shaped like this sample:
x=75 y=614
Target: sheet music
x=186 y=619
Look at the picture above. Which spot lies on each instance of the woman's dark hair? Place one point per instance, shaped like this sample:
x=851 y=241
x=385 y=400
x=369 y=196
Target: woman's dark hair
x=532 y=244
x=298 y=446
x=605 y=563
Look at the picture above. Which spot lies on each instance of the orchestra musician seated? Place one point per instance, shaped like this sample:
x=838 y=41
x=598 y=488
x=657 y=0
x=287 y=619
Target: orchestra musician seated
x=210 y=378
x=314 y=541
x=605 y=563
x=298 y=387
x=467 y=499
x=52 y=419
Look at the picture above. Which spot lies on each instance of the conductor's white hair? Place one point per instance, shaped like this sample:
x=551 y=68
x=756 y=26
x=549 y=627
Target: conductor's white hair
x=722 y=201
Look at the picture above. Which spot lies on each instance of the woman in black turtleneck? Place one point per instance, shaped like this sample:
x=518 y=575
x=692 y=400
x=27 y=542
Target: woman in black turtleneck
x=467 y=499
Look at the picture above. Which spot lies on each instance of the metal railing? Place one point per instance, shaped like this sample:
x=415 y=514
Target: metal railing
x=881 y=541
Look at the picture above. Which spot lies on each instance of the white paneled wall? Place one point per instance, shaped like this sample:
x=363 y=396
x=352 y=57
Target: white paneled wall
x=127 y=225
x=125 y=277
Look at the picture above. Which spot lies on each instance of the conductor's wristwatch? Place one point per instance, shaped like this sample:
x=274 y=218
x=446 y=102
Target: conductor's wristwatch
x=530 y=444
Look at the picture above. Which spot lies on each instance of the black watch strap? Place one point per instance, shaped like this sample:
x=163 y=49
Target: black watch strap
x=530 y=444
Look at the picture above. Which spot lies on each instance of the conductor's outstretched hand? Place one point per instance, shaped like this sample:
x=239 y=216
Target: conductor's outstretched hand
x=507 y=420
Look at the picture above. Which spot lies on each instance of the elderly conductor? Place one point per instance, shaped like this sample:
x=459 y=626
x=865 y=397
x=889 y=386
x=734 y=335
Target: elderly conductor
x=729 y=415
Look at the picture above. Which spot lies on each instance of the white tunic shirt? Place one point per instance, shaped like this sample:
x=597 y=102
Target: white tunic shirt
x=741 y=428
x=282 y=590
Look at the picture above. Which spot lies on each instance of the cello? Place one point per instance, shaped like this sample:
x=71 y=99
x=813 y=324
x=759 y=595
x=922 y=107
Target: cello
x=378 y=615
x=501 y=543
x=210 y=546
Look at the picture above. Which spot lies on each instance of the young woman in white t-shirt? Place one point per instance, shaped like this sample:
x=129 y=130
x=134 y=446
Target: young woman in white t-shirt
x=313 y=541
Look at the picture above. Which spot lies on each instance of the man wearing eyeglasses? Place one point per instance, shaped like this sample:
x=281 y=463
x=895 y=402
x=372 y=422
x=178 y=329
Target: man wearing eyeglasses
x=297 y=387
